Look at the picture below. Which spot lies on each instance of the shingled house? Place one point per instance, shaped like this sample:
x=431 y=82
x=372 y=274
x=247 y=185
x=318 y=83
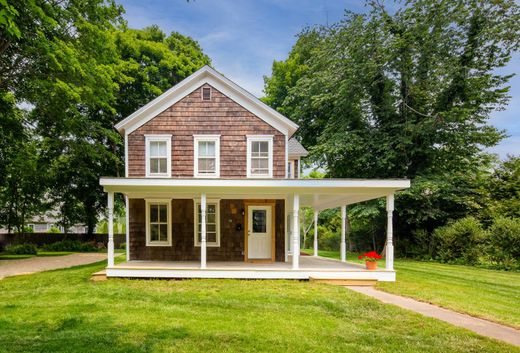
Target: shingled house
x=213 y=190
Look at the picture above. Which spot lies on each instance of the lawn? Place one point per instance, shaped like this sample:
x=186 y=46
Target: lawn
x=63 y=311
x=490 y=294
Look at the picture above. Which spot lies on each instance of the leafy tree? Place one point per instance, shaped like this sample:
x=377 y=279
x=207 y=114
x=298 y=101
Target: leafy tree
x=504 y=188
x=408 y=94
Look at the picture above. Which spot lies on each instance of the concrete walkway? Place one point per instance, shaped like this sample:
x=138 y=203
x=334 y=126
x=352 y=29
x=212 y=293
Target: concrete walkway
x=45 y=263
x=480 y=326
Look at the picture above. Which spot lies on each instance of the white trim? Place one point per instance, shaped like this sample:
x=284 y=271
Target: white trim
x=252 y=273
x=126 y=155
x=299 y=168
x=168 y=202
x=127 y=227
x=261 y=183
x=206 y=138
x=158 y=138
x=217 y=81
x=292 y=176
x=286 y=155
x=197 y=202
x=259 y=138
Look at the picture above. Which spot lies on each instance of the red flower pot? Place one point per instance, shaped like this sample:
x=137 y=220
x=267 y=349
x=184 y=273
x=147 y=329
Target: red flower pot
x=371 y=265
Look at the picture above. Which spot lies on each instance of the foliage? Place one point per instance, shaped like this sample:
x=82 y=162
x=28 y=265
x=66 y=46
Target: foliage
x=504 y=242
x=370 y=256
x=77 y=70
x=70 y=245
x=54 y=230
x=21 y=249
x=504 y=186
x=460 y=241
x=406 y=94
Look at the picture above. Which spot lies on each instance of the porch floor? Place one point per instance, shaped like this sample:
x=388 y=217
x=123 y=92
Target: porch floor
x=310 y=268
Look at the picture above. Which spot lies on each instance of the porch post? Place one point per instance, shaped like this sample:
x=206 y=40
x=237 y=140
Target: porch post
x=203 y=230
x=343 y=244
x=389 y=256
x=110 y=245
x=296 y=232
x=315 y=233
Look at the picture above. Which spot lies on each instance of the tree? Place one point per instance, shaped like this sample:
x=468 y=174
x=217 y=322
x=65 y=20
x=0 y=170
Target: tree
x=408 y=94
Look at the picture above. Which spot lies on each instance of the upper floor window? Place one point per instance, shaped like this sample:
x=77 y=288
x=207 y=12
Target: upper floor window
x=158 y=223
x=259 y=156
x=290 y=170
x=206 y=156
x=158 y=155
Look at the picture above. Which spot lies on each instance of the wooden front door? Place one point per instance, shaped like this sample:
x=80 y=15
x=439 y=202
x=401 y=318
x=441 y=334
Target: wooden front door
x=260 y=232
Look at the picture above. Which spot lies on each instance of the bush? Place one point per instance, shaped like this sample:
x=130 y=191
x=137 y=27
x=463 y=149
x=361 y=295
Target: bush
x=70 y=245
x=122 y=246
x=54 y=230
x=328 y=240
x=504 y=242
x=461 y=241
x=22 y=249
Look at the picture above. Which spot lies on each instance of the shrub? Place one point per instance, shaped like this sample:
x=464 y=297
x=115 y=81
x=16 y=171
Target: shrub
x=21 y=249
x=122 y=246
x=504 y=242
x=70 y=245
x=328 y=240
x=460 y=241
x=54 y=230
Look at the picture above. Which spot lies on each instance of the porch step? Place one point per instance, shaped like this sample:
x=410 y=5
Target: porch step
x=344 y=282
x=99 y=276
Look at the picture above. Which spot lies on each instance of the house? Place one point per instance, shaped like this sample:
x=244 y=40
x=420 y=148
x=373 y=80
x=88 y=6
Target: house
x=212 y=190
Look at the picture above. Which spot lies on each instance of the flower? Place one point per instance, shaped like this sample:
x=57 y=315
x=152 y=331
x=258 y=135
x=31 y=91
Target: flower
x=371 y=256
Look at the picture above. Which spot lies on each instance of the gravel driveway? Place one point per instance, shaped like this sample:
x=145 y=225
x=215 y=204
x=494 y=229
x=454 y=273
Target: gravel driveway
x=39 y=264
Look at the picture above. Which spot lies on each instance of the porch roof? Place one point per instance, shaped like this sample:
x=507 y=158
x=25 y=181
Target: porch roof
x=317 y=193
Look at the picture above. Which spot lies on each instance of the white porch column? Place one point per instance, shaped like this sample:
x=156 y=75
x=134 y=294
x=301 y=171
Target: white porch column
x=203 y=230
x=343 y=244
x=315 y=233
x=389 y=256
x=127 y=227
x=296 y=232
x=110 y=245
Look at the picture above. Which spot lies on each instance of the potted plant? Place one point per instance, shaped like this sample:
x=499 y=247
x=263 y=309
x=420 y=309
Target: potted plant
x=371 y=258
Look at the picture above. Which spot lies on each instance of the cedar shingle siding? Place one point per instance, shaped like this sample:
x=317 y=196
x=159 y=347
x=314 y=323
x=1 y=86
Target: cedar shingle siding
x=194 y=116
x=183 y=249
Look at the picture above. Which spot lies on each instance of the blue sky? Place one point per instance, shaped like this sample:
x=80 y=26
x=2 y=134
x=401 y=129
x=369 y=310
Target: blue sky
x=243 y=37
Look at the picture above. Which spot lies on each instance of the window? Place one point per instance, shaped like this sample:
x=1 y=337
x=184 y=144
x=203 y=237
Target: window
x=206 y=93
x=158 y=223
x=290 y=170
x=158 y=155
x=212 y=223
x=206 y=159
x=259 y=156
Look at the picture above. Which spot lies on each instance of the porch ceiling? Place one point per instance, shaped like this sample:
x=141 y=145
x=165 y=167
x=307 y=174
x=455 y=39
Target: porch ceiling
x=317 y=193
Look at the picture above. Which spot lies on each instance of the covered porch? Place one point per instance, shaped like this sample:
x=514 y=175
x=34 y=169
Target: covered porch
x=295 y=194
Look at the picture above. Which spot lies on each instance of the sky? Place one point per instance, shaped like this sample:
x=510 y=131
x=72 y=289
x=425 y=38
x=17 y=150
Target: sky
x=243 y=37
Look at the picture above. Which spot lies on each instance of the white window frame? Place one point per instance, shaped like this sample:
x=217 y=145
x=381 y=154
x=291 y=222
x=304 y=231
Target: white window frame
x=206 y=138
x=168 y=202
x=259 y=138
x=196 y=242
x=292 y=174
x=158 y=138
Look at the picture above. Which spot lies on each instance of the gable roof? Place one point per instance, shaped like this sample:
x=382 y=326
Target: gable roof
x=295 y=148
x=206 y=75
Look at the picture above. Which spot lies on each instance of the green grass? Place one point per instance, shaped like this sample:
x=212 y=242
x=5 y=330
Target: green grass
x=489 y=294
x=63 y=311
x=4 y=256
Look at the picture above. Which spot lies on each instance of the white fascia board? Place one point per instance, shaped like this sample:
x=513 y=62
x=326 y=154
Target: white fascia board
x=262 y=183
x=221 y=83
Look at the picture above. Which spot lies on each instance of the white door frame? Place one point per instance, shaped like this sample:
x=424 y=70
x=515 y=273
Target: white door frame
x=253 y=203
